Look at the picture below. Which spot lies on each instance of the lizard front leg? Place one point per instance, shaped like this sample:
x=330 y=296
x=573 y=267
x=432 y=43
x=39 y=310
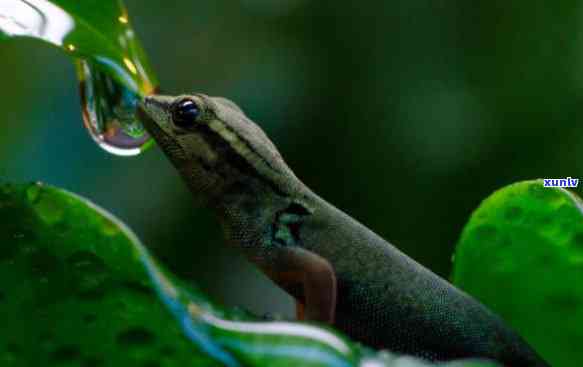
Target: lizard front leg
x=316 y=277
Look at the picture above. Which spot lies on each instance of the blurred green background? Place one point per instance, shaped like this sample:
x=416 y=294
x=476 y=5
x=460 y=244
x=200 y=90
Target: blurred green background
x=405 y=114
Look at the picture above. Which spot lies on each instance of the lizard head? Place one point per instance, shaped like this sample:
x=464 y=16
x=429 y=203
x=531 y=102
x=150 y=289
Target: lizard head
x=179 y=126
x=212 y=142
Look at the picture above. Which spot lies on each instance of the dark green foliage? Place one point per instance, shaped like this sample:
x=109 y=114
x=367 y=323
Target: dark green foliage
x=73 y=290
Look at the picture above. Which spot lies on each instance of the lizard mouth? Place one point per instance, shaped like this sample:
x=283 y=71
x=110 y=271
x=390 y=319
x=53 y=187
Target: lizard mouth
x=163 y=138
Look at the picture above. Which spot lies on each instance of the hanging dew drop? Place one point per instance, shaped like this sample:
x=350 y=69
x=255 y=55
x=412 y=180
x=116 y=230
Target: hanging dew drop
x=111 y=65
x=109 y=111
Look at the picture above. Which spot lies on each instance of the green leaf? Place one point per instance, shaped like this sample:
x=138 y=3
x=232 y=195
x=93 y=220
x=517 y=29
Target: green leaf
x=521 y=254
x=78 y=289
x=73 y=289
x=97 y=31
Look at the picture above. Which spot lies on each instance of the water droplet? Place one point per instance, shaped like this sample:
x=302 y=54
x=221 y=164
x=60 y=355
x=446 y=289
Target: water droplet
x=136 y=336
x=89 y=274
x=109 y=228
x=110 y=111
x=49 y=209
x=33 y=191
x=109 y=108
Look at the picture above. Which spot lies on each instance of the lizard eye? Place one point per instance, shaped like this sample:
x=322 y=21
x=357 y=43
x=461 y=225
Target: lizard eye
x=185 y=114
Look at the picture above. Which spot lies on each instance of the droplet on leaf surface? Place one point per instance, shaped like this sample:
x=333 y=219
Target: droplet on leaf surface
x=90 y=273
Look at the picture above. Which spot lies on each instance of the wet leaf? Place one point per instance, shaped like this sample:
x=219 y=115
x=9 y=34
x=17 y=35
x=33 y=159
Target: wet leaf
x=78 y=288
x=74 y=291
x=521 y=254
x=98 y=31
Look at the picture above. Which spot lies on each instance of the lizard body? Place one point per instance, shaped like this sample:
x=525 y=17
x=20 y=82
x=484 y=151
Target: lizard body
x=342 y=272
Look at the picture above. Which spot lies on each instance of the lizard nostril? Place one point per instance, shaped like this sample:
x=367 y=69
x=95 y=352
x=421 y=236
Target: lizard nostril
x=148 y=100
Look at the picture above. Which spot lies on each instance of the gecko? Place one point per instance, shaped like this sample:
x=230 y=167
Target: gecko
x=340 y=272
